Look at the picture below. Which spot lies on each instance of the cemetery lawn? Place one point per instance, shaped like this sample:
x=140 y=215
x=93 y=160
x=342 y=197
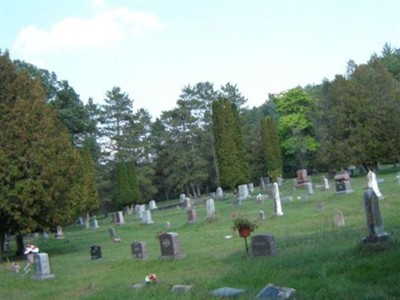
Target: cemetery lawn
x=316 y=258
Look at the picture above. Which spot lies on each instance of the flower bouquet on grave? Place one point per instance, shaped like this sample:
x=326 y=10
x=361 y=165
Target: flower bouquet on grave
x=151 y=278
x=30 y=252
x=244 y=226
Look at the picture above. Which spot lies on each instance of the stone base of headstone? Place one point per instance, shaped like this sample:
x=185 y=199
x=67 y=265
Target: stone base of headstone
x=44 y=277
x=275 y=292
x=176 y=256
x=383 y=237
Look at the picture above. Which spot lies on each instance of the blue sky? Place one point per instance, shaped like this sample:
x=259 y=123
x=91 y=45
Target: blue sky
x=153 y=49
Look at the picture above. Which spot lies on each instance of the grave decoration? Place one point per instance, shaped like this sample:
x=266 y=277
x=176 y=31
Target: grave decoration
x=244 y=226
x=151 y=278
x=30 y=252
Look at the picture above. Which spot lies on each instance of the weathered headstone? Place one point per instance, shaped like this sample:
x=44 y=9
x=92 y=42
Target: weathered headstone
x=310 y=189
x=342 y=182
x=182 y=197
x=95 y=224
x=170 y=246
x=373 y=184
x=260 y=199
x=263 y=244
x=152 y=205
x=262 y=215
x=274 y=292
x=277 y=200
x=140 y=211
x=112 y=233
x=302 y=178
x=119 y=218
x=374 y=219
x=147 y=217
x=139 y=250
x=95 y=252
x=325 y=183
x=181 y=288
x=262 y=184
x=250 y=186
x=279 y=180
x=243 y=191
x=210 y=208
x=219 y=193
x=42 y=267
x=228 y=292
x=186 y=203
x=338 y=218
x=59 y=233
x=398 y=179
x=192 y=215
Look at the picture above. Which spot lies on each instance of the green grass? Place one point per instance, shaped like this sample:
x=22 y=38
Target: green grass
x=317 y=259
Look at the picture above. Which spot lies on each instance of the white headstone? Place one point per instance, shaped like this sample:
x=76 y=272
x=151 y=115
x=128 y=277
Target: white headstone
x=95 y=223
x=326 y=183
x=243 y=191
x=152 y=205
x=310 y=190
x=219 y=193
x=182 y=197
x=42 y=267
x=262 y=215
x=277 y=199
x=210 y=208
x=119 y=218
x=147 y=217
x=398 y=179
x=251 y=187
x=59 y=234
x=373 y=184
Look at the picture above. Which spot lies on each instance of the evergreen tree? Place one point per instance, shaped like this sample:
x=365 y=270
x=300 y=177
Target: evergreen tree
x=270 y=148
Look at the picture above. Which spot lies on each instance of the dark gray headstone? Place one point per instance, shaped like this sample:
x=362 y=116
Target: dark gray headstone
x=95 y=252
x=112 y=233
x=342 y=182
x=139 y=250
x=263 y=245
x=374 y=219
x=275 y=292
x=42 y=267
x=170 y=246
x=192 y=215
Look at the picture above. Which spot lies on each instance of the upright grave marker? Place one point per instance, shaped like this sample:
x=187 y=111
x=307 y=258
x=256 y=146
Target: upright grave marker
x=119 y=218
x=263 y=244
x=210 y=208
x=139 y=250
x=170 y=246
x=277 y=200
x=374 y=219
x=42 y=267
x=343 y=184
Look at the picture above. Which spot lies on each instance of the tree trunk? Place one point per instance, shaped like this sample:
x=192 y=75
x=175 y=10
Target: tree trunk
x=2 y=240
x=19 y=239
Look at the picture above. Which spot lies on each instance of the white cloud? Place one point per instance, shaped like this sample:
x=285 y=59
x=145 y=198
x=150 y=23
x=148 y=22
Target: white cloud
x=102 y=30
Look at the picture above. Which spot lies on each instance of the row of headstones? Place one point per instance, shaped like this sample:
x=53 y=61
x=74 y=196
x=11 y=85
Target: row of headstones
x=262 y=245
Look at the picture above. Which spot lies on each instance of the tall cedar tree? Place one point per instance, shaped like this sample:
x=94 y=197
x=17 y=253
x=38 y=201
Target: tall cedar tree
x=270 y=148
x=126 y=190
x=229 y=145
x=39 y=168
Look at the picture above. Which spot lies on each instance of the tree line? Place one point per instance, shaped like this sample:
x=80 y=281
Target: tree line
x=61 y=158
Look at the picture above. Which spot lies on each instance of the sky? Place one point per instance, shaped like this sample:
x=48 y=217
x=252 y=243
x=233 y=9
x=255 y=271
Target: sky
x=152 y=49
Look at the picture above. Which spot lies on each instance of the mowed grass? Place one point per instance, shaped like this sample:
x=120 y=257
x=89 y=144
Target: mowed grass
x=313 y=256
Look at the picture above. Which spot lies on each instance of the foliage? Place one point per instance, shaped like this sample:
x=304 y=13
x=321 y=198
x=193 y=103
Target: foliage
x=229 y=146
x=241 y=221
x=270 y=148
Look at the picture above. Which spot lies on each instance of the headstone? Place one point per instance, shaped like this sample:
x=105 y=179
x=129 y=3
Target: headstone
x=262 y=184
x=302 y=178
x=147 y=217
x=227 y=292
x=325 y=183
x=338 y=218
x=267 y=181
x=260 y=199
x=182 y=197
x=152 y=205
x=95 y=252
x=181 y=288
x=219 y=193
x=274 y=292
x=112 y=233
x=139 y=250
x=140 y=211
x=95 y=223
x=398 y=179
x=262 y=215
x=243 y=191
x=279 y=180
x=320 y=206
x=277 y=200
x=210 y=208
x=263 y=244
x=186 y=203
x=170 y=246
x=250 y=187
x=59 y=233
x=42 y=267
x=374 y=219
x=129 y=209
x=192 y=215
x=342 y=182
x=119 y=218
x=45 y=235
x=310 y=190
x=373 y=184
